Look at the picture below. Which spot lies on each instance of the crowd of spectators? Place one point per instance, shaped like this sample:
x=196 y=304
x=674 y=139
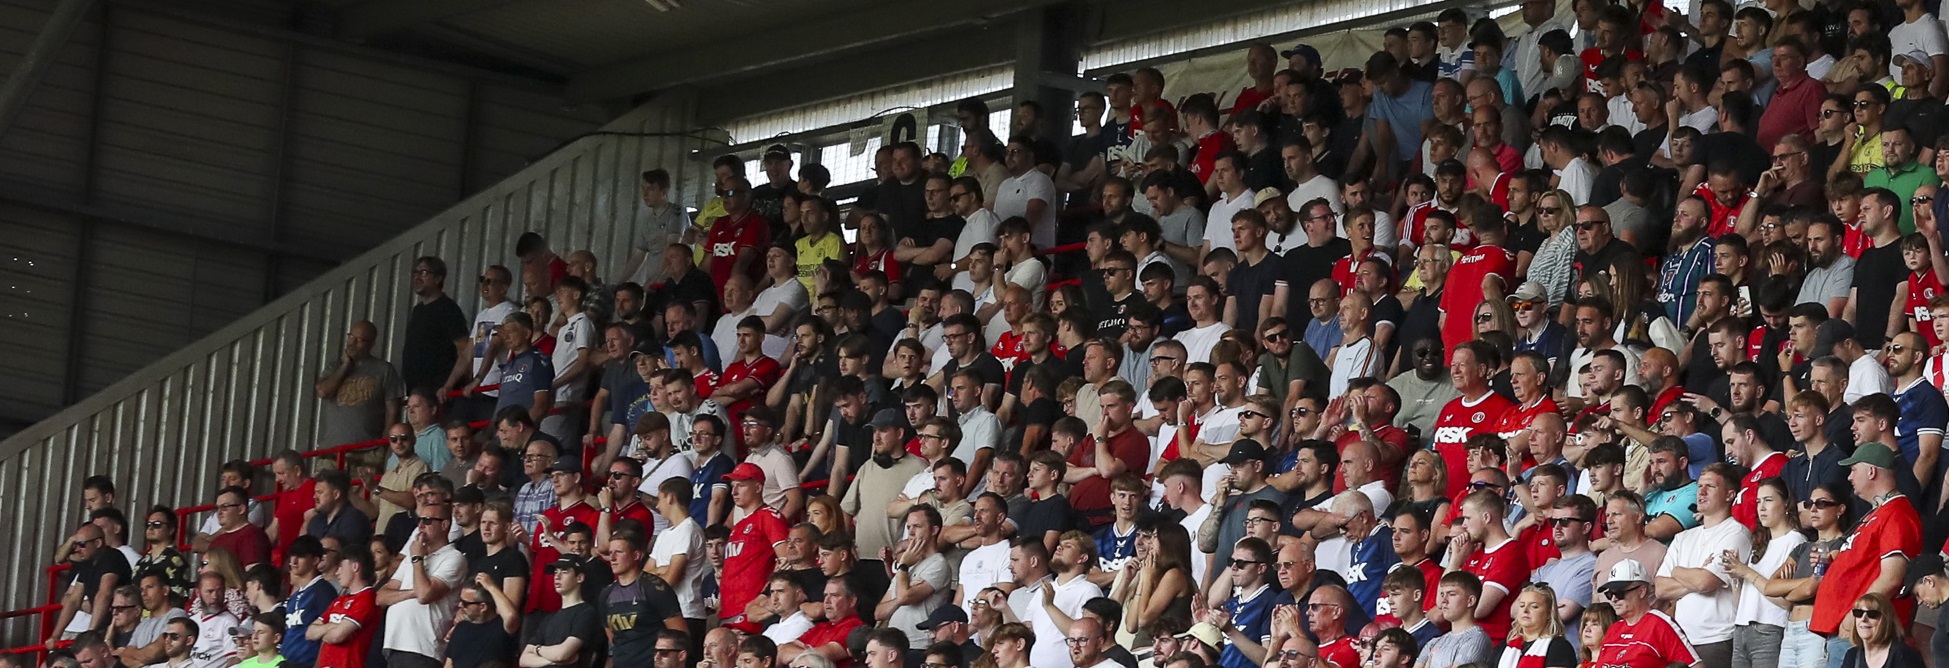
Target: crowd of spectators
x=1391 y=367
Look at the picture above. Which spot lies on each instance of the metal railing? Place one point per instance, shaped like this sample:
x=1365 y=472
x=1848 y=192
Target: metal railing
x=245 y=391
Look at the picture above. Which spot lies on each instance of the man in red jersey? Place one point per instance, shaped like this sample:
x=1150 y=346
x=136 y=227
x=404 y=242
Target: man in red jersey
x=346 y=629
x=1529 y=376
x=1642 y=637
x=1484 y=549
x=828 y=637
x=619 y=499
x=1875 y=556
x=757 y=542
x=1482 y=274
x=1477 y=410
x=737 y=240
x=571 y=506
x=745 y=379
x=1741 y=436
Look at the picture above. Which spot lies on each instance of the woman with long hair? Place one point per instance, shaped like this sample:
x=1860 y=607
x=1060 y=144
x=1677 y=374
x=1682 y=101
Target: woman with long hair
x=1064 y=298
x=1494 y=315
x=1640 y=320
x=823 y=511
x=1556 y=258
x=1423 y=481
x=1158 y=584
x=1824 y=512
x=874 y=252
x=1597 y=620
x=1760 y=625
x=1536 y=634
x=1877 y=636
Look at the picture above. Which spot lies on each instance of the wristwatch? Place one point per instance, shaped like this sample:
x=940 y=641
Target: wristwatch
x=419 y=559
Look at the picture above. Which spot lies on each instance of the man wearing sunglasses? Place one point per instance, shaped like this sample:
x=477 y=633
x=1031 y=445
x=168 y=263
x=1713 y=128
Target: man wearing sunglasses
x=1642 y=637
x=420 y=595
x=177 y=643
x=395 y=486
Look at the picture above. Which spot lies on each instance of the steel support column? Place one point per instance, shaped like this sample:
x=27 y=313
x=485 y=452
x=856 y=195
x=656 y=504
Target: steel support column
x=40 y=56
x=1049 y=41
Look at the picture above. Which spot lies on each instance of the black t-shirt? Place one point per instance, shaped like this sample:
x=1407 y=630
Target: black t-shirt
x=576 y=621
x=1700 y=372
x=1923 y=118
x=1265 y=170
x=471 y=546
x=1876 y=273
x=1526 y=237
x=1707 y=57
x=108 y=561
x=905 y=206
x=1388 y=309
x=1607 y=185
x=984 y=365
x=1084 y=149
x=1586 y=264
x=694 y=286
x=769 y=201
x=1046 y=515
x=1110 y=320
x=1306 y=265
x=1821 y=156
x=502 y=565
x=1248 y=283
x=1737 y=148
x=475 y=645
x=924 y=234
x=1423 y=320
x=428 y=352
x=869 y=584
x=1043 y=411
x=634 y=614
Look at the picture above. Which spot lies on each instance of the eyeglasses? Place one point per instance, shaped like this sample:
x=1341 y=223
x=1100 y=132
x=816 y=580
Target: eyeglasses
x=1310 y=607
x=469 y=604
x=1292 y=654
x=1155 y=360
x=1783 y=156
x=1242 y=563
x=1820 y=503
x=1073 y=642
x=932 y=437
x=1867 y=613
x=1250 y=521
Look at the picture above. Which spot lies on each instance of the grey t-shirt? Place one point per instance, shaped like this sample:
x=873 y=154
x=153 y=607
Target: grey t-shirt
x=1460 y=648
x=358 y=411
x=148 y=630
x=1827 y=283
x=933 y=570
x=1184 y=227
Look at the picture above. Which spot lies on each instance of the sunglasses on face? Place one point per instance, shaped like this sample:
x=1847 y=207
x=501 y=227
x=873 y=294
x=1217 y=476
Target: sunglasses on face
x=1242 y=563
x=1552 y=210
x=1567 y=521
x=1586 y=227
x=1867 y=613
x=1822 y=504
x=1619 y=594
x=1275 y=335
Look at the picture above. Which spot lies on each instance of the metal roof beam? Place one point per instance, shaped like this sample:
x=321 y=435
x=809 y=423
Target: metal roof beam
x=785 y=46
x=872 y=70
x=380 y=17
x=40 y=56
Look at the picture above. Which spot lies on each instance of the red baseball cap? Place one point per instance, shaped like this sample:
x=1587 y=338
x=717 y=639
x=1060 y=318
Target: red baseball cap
x=746 y=471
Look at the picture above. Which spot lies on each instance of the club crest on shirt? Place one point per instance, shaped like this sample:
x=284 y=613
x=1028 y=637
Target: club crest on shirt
x=1478 y=417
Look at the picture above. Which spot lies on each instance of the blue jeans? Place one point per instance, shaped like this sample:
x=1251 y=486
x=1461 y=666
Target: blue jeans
x=1802 y=648
x=1837 y=648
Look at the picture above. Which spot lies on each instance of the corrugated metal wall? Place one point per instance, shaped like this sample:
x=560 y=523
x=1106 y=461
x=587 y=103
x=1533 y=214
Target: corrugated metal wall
x=168 y=177
x=245 y=391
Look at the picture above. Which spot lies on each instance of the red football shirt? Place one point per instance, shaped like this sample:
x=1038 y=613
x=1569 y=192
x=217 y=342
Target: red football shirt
x=729 y=236
x=249 y=543
x=1458 y=421
x=883 y=261
x=749 y=558
x=1209 y=146
x=1538 y=545
x=1854 y=241
x=1249 y=99
x=828 y=632
x=1891 y=529
x=1723 y=216
x=1343 y=269
x=1505 y=567
x=1745 y=506
x=1653 y=642
x=541 y=587
x=1463 y=290
x=290 y=514
x=361 y=608
x=1092 y=494
x=1922 y=287
x=765 y=370
x=1517 y=418
x=1341 y=653
x=1388 y=468
x=706 y=382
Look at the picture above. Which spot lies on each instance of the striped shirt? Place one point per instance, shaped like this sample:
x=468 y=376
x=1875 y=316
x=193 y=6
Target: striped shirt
x=1678 y=279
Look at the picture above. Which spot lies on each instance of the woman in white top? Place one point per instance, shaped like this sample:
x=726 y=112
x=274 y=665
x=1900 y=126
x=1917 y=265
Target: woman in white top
x=785 y=298
x=1761 y=623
